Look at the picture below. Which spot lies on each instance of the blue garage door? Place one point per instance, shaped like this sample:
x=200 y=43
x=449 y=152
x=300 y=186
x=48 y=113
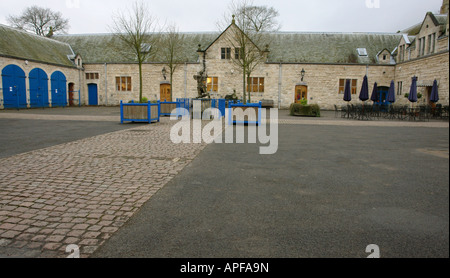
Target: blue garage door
x=38 y=88
x=14 y=89
x=59 y=89
x=93 y=94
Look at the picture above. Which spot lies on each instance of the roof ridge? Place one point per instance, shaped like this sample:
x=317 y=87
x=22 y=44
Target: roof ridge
x=32 y=34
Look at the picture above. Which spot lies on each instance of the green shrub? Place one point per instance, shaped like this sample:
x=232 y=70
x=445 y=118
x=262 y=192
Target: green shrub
x=315 y=110
x=144 y=100
x=297 y=109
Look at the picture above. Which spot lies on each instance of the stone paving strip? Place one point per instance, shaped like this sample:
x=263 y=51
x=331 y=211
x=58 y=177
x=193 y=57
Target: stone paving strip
x=83 y=191
x=328 y=120
x=370 y=123
x=11 y=115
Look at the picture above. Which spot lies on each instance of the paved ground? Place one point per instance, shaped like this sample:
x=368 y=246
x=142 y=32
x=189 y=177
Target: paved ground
x=329 y=191
x=333 y=187
x=82 y=191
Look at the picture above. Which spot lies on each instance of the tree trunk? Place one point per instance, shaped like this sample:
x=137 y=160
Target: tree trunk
x=249 y=96
x=171 y=78
x=140 y=81
x=244 y=98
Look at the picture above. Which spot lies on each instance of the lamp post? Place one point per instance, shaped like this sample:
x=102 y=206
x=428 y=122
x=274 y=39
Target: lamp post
x=302 y=73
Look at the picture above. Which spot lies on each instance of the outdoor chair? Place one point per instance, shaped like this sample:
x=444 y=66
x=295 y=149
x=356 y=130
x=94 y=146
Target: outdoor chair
x=376 y=111
x=337 y=111
x=424 y=112
x=346 y=111
x=437 y=113
x=445 y=112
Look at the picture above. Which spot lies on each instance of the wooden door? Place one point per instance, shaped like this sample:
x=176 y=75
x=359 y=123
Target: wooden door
x=428 y=93
x=165 y=93
x=71 y=91
x=93 y=94
x=301 y=92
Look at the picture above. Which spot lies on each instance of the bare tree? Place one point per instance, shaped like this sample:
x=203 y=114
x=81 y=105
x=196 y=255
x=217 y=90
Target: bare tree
x=137 y=30
x=42 y=21
x=172 y=52
x=248 y=35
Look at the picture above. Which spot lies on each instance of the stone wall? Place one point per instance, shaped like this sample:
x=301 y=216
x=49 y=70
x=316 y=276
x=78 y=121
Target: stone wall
x=73 y=75
x=428 y=28
x=183 y=81
x=426 y=69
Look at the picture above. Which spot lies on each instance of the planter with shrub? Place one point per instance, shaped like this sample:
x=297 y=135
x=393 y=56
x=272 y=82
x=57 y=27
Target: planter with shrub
x=304 y=110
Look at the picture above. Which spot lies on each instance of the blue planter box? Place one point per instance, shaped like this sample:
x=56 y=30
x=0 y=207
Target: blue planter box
x=140 y=112
x=168 y=106
x=247 y=117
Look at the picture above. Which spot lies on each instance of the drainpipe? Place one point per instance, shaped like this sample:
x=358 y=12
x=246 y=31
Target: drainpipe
x=185 y=80
x=79 y=87
x=106 y=85
x=279 y=87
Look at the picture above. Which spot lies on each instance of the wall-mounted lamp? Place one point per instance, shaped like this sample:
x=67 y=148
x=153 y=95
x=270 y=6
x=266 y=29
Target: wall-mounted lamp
x=302 y=73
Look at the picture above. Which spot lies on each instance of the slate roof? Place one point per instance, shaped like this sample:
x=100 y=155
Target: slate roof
x=413 y=30
x=20 y=44
x=438 y=20
x=106 y=48
x=286 y=47
x=329 y=47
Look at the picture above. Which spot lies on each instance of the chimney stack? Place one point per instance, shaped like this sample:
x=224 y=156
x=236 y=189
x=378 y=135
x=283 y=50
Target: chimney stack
x=444 y=7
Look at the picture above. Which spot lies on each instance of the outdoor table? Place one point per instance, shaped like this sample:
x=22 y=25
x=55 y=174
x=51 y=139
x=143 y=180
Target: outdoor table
x=363 y=113
x=413 y=113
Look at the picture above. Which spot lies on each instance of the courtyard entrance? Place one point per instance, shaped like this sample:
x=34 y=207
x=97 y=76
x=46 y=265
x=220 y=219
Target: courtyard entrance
x=165 y=92
x=93 y=94
x=301 y=92
x=38 y=88
x=382 y=97
x=59 y=90
x=14 y=88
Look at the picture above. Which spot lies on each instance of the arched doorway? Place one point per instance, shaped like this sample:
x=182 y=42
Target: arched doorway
x=14 y=87
x=92 y=94
x=165 y=92
x=38 y=88
x=382 y=96
x=59 y=90
x=301 y=93
x=71 y=94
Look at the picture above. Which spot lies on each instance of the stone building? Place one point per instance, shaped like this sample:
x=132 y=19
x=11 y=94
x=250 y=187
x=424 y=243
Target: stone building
x=94 y=70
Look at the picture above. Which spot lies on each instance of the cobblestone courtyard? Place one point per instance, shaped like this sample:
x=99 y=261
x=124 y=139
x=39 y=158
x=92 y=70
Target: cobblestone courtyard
x=83 y=191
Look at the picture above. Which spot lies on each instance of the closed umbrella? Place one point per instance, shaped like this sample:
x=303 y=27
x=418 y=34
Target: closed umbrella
x=391 y=93
x=413 y=97
x=347 y=92
x=434 y=97
x=374 y=96
x=364 y=94
x=413 y=91
x=347 y=95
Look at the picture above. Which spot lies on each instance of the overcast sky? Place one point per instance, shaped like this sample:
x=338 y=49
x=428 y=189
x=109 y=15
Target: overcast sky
x=94 y=16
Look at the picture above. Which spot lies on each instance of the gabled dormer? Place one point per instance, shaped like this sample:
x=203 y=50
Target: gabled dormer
x=385 y=57
x=229 y=44
x=78 y=61
x=432 y=29
x=404 y=48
